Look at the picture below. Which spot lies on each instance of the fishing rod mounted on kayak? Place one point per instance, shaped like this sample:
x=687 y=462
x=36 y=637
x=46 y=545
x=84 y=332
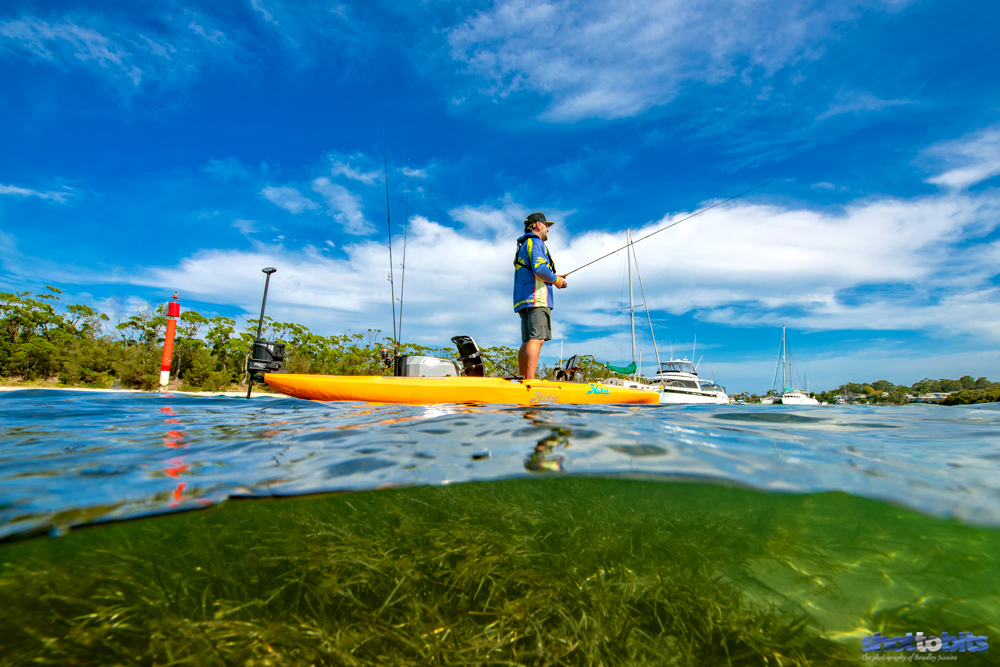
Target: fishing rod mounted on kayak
x=663 y=229
x=266 y=356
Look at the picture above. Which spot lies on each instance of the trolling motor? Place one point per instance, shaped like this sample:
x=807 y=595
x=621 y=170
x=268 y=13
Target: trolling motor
x=266 y=356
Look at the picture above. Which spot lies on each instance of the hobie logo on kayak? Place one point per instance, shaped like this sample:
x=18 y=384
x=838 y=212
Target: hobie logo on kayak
x=920 y=643
x=598 y=389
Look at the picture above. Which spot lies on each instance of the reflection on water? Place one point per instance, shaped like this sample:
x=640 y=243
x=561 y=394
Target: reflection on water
x=72 y=458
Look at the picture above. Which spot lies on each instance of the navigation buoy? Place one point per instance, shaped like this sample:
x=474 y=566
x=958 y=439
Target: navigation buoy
x=173 y=312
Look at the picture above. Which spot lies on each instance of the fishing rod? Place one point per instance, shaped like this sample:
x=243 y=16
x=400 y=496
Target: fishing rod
x=388 y=224
x=402 y=277
x=673 y=224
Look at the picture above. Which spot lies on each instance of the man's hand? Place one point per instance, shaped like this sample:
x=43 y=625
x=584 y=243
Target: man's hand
x=561 y=281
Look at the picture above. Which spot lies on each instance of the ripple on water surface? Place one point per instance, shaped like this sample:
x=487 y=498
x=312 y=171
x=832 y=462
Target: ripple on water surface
x=74 y=457
x=535 y=562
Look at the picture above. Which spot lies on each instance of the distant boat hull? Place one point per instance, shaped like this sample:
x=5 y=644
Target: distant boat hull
x=796 y=398
x=693 y=398
x=429 y=391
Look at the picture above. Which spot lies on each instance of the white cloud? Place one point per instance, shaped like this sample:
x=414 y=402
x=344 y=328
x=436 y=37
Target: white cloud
x=754 y=265
x=747 y=265
x=503 y=222
x=344 y=206
x=246 y=227
x=289 y=199
x=258 y=7
x=339 y=168
x=84 y=44
x=414 y=173
x=226 y=169
x=57 y=196
x=968 y=160
x=600 y=60
x=858 y=102
x=129 y=54
x=213 y=35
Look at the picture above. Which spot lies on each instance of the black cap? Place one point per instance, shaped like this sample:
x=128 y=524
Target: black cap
x=530 y=221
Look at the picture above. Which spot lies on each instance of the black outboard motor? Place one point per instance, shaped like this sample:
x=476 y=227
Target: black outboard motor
x=266 y=356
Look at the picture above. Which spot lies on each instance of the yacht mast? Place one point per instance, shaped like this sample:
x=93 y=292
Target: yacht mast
x=777 y=362
x=784 y=350
x=631 y=305
x=649 y=318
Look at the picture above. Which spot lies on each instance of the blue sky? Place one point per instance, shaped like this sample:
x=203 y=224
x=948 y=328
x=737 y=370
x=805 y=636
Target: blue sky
x=183 y=146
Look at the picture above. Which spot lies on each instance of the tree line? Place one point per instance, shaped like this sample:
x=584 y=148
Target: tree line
x=78 y=346
x=883 y=391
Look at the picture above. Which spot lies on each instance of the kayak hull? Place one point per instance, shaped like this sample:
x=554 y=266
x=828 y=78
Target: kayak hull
x=428 y=391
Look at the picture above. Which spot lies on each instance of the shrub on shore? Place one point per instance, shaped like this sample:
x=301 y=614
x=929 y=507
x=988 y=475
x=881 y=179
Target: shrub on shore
x=78 y=345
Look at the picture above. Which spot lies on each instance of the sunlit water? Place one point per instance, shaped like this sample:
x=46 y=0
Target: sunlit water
x=707 y=533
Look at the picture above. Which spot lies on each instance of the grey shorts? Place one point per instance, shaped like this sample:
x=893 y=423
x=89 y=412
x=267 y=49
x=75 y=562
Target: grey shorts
x=536 y=323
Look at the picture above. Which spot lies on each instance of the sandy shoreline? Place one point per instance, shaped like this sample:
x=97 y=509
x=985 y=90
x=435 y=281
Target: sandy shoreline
x=139 y=391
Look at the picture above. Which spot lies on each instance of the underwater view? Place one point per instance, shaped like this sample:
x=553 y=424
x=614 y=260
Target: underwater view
x=159 y=529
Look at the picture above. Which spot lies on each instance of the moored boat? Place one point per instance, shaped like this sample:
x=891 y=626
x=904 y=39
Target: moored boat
x=679 y=383
x=789 y=395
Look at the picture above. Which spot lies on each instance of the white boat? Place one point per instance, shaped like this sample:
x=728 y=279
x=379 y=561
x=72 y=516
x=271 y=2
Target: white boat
x=676 y=380
x=789 y=395
x=679 y=382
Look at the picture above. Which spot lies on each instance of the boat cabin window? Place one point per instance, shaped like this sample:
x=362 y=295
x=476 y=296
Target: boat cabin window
x=677 y=367
x=681 y=384
x=709 y=386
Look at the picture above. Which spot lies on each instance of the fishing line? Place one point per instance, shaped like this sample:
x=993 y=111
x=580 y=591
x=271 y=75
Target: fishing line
x=673 y=224
x=615 y=292
x=388 y=224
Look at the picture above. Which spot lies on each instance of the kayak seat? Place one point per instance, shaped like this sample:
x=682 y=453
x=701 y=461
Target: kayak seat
x=469 y=356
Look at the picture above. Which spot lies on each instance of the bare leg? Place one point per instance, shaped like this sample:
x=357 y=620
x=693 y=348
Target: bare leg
x=532 y=349
x=522 y=359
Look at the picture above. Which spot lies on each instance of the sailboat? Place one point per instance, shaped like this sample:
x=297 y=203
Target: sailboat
x=789 y=394
x=676 y=380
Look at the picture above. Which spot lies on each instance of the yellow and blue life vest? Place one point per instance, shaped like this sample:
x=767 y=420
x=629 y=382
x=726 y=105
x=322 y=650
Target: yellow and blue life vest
x=534 y=273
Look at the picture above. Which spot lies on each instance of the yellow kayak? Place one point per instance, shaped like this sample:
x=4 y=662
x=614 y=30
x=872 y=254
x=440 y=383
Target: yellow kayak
x=430 y=390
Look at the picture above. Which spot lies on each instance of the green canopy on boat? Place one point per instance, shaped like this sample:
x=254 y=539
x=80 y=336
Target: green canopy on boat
x=623 y=370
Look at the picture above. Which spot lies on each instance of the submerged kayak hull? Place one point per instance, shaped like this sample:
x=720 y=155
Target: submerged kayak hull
x=428 y=391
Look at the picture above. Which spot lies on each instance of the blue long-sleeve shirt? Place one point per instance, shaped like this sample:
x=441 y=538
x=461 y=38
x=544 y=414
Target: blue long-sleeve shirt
x=534 y=274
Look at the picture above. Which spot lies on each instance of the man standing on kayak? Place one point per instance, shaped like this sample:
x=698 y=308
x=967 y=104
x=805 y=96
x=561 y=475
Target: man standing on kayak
x=534 y=276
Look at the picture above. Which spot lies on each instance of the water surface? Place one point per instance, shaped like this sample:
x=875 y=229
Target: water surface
x=489 y=535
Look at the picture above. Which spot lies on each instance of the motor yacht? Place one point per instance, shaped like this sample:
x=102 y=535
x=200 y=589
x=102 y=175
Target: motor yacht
x=679 y=382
